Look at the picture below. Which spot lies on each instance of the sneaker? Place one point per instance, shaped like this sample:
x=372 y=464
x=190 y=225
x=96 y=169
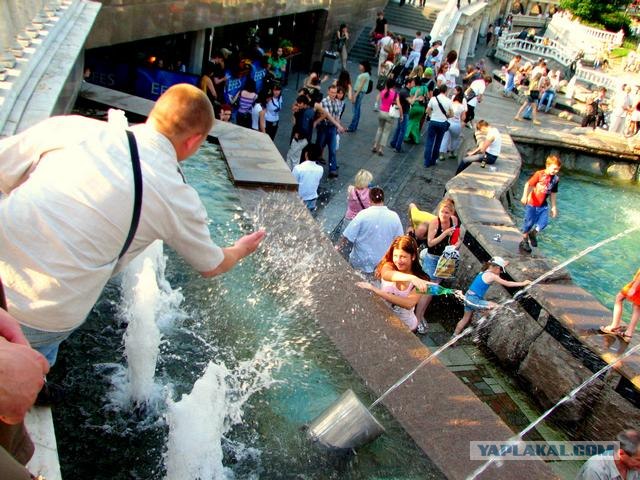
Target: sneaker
x=422 y=327
x=533 y=237
x=524 y=246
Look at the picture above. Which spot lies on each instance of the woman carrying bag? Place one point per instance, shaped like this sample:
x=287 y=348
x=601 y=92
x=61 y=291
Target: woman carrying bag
x=387 y=99
x=444 y=230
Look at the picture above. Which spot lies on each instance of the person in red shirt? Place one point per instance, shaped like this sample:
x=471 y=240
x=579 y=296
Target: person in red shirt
x=542 y=185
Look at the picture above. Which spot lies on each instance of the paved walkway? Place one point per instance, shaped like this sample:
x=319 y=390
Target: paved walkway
x=402 y=176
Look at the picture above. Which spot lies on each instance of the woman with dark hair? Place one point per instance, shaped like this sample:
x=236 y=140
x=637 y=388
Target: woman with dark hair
x=342 y=40
x=313 y=80
x=386 y=98
x=400 y=277
x=273 y=106
x=257 y=114
x=246 y=98
x=344 y=82
x=278 y=65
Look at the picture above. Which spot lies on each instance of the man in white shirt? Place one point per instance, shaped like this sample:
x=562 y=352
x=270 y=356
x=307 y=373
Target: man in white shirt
x=474 y=95
x=416 y=48
x=371 y=232
x=68 y=208
x=487 y=151
x=308 y=174
x=621 y=465
x=385 y=46
x=622 y=106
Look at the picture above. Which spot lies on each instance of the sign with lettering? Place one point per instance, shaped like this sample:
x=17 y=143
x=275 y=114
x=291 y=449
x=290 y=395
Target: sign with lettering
x=152 y=82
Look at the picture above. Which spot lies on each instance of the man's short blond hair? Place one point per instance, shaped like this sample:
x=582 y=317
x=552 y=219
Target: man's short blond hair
x=183 y=110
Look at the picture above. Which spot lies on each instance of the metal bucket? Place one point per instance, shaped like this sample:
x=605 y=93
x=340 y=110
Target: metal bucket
x=346 y=424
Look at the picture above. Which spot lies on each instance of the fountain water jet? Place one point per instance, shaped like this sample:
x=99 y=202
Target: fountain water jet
x=515 y=439
x=142 y=338
x=332 y=428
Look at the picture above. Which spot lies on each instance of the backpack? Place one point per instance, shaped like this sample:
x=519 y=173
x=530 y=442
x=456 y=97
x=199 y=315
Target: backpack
x=369 y=86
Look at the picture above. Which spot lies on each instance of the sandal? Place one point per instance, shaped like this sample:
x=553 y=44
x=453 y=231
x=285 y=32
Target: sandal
x=624 y=337
x=607 y=330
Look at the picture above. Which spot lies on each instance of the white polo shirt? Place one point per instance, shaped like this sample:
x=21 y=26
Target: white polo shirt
x=478 y=86
x=68 y=209
x=372 y=231
x=436 y=113
x=308 y=174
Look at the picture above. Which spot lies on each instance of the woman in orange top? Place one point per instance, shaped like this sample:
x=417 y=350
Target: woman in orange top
x=631 y=292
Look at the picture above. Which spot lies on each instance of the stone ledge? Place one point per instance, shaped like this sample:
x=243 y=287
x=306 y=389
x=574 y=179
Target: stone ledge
x=48 y=79
x=569 y=315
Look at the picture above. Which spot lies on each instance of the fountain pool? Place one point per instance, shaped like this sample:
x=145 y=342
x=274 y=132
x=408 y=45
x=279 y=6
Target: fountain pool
x=279 y=371
x=592 y=209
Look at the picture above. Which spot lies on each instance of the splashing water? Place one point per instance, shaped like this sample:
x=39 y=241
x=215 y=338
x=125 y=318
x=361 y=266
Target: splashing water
x=147 y=296
x=505 y=304
x=576 y=257
x=196 y=425
x=199 y=421
x=517 y=438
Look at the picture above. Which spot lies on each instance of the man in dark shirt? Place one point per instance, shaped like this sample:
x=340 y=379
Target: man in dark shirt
x=401 y=129
x=218 y=74
x=303 y=119
x=379 y=31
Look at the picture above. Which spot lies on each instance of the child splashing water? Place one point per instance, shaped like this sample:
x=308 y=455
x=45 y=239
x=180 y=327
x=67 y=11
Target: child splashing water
x=474 y=298
x=400 y=277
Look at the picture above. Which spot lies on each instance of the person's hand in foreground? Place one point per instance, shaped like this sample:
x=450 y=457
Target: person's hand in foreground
x=22 y=372
x=243 y=247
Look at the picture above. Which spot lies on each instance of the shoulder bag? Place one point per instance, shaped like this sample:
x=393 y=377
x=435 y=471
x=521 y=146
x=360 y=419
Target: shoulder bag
x=443 y=112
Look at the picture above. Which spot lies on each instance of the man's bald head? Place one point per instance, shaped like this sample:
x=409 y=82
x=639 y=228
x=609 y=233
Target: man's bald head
x=181 y=112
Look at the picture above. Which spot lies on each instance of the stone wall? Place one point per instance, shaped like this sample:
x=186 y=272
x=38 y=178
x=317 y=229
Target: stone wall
x=599 y=165
x=15 y=15
x=123 y=21
x=548 y=340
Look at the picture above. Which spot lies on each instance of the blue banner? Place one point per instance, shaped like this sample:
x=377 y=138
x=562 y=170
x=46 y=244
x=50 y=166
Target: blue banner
x=109 y=75
x=233 y=87
x=152 y=82
x=258 y=72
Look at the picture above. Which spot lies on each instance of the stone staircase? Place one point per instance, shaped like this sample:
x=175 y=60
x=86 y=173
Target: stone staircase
x=404 y=20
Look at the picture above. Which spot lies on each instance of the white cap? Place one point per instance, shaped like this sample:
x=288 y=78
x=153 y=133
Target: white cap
x=499 y=261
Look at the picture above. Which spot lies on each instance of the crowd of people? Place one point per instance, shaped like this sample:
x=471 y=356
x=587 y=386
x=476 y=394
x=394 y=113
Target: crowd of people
x=616 y=110
x=54 y=266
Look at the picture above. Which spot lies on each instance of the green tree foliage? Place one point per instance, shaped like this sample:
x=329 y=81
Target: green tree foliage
x=608 y=13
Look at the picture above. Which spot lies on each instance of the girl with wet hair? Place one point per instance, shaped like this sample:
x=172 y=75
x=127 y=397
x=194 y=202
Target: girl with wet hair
x=400 y=279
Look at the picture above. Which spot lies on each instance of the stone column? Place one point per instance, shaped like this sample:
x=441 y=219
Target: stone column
x=455 y=41
x=485 y=22
x=474 y=38
x=197 y=52
x=530 y=5
x=464 y=47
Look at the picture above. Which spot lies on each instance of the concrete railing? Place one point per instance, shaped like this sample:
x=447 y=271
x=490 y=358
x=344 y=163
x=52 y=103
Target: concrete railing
x=589 y=39
x=598 y=78
x=534 y=21
x=446 y=22
x=537 y=49
x=41 y=73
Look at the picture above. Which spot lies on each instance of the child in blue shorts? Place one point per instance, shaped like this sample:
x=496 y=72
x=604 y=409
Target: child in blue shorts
x=474 y=298
x=542 y=185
